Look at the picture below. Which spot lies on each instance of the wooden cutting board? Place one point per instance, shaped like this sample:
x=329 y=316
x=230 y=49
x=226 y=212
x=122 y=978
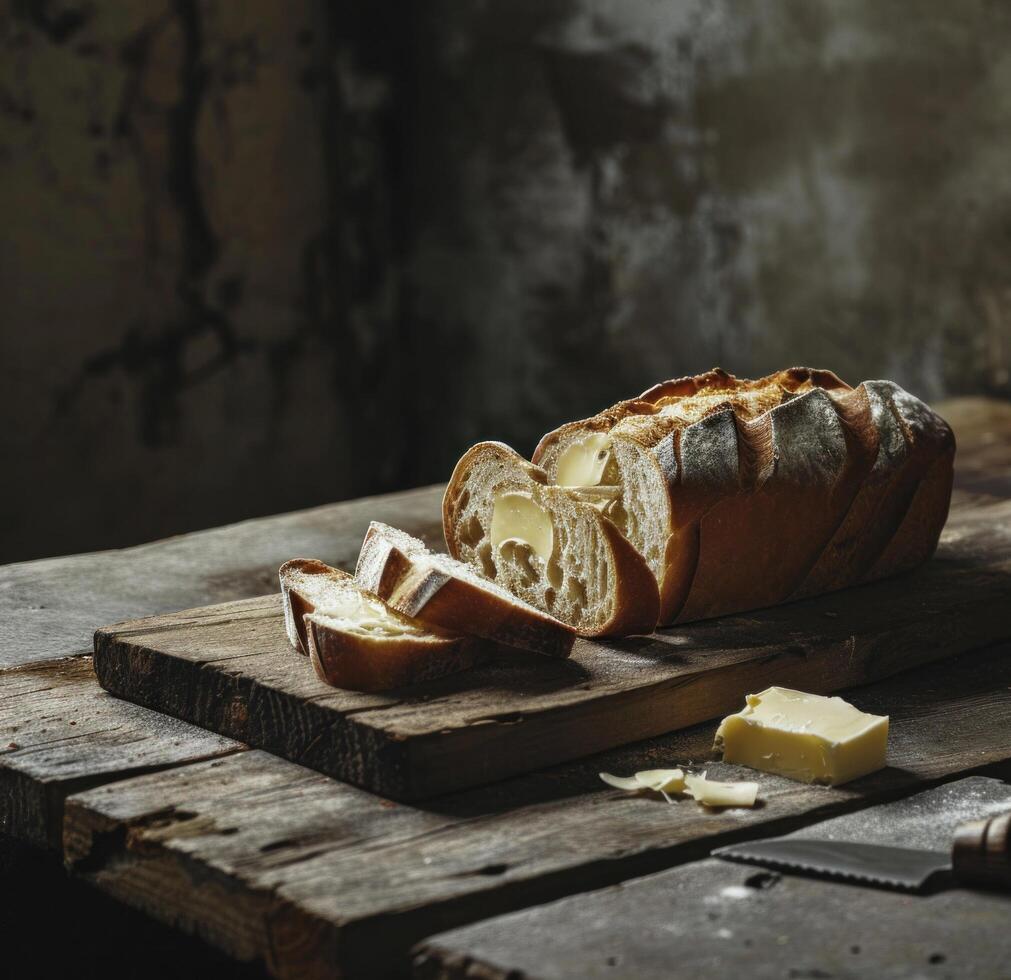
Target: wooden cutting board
x=229 y=668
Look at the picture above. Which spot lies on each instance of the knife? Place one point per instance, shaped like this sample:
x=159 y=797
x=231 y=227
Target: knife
x=980 y=855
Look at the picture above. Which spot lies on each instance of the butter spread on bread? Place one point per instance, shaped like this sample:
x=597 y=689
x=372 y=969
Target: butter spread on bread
x=742 y=494
x=355 y=640
x=440 y=591
x=548 y=545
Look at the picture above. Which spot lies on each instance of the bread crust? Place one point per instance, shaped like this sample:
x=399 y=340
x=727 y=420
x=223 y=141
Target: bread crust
x=638 y=604
x=415 y=588
x=916 y=538
x=798 y=478
x=716 y=382
x=356 y=661
x=788 y=486
x=295 y=602
x=361 y=663
x=636 y=599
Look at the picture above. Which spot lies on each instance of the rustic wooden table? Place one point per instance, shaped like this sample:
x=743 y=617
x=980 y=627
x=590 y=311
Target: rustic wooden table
x=285 y=869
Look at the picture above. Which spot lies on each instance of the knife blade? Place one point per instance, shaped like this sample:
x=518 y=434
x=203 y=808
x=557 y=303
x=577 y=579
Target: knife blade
x=901 y=868
x=980 y=855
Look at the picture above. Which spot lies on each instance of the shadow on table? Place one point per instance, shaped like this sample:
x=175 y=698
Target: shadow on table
x=56 y=926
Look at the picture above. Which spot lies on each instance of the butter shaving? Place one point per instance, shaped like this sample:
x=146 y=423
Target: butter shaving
x=704 y=791
x=621 y=782
x=711 y=793
x=662 y=780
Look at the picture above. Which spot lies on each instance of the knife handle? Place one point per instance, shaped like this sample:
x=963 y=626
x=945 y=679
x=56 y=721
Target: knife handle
x=981 y=852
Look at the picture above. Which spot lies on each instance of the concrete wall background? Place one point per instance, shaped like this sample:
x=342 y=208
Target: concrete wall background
x=196 y=285
x=259 y=256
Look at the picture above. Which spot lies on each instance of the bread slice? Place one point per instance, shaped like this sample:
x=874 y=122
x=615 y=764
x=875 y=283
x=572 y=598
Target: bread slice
x=742 y=494
x=355 y=640
x=443 y=592
x=552 y=547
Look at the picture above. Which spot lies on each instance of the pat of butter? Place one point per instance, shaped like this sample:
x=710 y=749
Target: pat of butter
x=806 y=737
x=582 y=463
x=516 y=517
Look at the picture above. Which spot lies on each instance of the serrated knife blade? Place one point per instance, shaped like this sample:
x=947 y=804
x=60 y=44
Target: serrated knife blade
x=980 y=856
x=900 y=868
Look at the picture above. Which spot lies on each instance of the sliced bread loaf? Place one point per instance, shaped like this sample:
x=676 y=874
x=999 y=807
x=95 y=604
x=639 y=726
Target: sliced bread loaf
x=355 y=640
x=742 y=494
x=438 y=590
x=552 y=547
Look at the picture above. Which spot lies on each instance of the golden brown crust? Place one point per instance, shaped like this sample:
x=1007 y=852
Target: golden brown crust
x=795 y=379
x=296 y=603
x=354 y=660
x=918 y=533
x=637 y=603
x=360 y=663
x=755 y=545
x=900 y=508
x=454 y=602
x=788 y=486
x=713 y=391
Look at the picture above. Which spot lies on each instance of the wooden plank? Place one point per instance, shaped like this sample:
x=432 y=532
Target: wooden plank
x=38 y=891
x=229 y=668
x=982 y=427
x=61 y=733
x=50 y=608
x=718 y=919
x=274 y=862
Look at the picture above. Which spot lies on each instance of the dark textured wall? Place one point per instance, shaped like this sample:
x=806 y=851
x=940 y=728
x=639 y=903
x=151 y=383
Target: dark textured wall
x=613 y=193
x=197 y=287
x=256 y=256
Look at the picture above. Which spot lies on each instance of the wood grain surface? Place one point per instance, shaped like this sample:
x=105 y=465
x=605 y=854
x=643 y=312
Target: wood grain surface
x=277 y=863
x=229 y=668
x=50 y=608
x=715 y=919
x=983 y=432
x=61 y=733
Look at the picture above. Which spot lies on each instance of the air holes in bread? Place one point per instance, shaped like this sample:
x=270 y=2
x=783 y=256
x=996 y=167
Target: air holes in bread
x=538 y=536
x=521 y=554
x=484 y=556
x=471 y=533
x=575 y=592
x=615 y=511
x=554 y=572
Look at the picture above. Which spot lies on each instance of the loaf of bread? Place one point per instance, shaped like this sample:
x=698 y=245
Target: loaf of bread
x=743 y=494
x=441 y=592
x=550 y=546
x=355 y=640
x=702 y=497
